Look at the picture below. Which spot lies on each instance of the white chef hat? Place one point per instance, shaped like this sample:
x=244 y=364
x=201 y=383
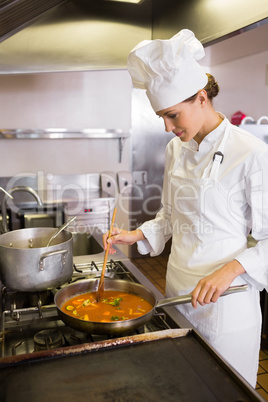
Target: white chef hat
x=168 y=69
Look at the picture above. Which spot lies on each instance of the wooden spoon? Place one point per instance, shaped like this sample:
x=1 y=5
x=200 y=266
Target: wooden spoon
x=101 y=281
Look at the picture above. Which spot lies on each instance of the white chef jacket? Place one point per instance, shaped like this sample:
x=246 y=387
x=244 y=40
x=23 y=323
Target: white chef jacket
x=243 y=179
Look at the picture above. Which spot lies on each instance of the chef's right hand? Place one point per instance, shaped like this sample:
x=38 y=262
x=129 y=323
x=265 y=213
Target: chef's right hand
x=121 y=236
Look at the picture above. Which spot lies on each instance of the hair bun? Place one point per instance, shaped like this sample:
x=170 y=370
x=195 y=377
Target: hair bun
x=212 y=88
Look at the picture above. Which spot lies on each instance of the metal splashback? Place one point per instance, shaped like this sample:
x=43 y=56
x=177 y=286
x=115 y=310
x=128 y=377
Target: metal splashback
x=75 y=35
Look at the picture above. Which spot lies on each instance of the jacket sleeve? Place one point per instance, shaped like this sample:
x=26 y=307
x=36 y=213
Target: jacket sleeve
x=159 y=230
x=255 y=259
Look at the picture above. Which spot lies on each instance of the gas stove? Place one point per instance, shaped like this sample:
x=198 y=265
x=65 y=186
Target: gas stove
x=166 y=359
x=30 y=321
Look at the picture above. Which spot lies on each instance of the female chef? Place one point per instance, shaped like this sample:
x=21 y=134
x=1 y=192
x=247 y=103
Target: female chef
x=215 y=191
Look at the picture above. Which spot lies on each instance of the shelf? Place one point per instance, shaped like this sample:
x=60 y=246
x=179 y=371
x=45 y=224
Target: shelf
x=62 y=133
x=59 y=133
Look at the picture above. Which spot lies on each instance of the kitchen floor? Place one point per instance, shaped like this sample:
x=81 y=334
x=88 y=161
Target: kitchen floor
x=154 y=268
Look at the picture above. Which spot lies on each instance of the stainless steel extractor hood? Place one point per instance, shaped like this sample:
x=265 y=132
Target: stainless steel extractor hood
x=15 y=15
x=70 y=35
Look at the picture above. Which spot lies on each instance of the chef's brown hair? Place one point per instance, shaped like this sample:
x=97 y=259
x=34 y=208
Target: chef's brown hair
x=212 y=89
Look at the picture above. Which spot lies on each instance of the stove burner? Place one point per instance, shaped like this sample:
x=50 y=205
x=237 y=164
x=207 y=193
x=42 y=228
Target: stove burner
x=48 y=339
x=114 y=269
x=12 y=299
x=30 y=321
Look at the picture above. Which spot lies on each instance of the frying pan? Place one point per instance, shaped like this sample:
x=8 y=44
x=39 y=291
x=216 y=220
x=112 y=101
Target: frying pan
x=117 y=327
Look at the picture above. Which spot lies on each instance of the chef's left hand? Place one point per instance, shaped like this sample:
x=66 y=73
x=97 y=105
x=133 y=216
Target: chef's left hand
x=209 y=289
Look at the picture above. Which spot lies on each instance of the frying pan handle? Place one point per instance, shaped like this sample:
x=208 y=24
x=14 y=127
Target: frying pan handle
x=187 y=298
x=50 y=254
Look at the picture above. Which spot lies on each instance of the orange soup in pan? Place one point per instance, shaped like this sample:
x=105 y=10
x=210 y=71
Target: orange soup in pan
x=113 y=306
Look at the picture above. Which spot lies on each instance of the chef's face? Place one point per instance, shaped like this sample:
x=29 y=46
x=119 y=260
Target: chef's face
x=186 y=119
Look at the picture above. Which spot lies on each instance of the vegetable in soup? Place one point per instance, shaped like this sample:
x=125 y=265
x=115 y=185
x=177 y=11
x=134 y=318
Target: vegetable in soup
x=113 y=306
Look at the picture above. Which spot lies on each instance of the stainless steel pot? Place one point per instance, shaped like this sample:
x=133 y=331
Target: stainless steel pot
x=117 y=327
x=27 y=265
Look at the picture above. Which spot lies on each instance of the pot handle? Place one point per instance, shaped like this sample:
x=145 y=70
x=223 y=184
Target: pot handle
x=50 y=254
x=187 y=298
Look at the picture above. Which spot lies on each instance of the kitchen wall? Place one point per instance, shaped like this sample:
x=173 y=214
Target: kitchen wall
x=243 y=86
x=76 y=100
